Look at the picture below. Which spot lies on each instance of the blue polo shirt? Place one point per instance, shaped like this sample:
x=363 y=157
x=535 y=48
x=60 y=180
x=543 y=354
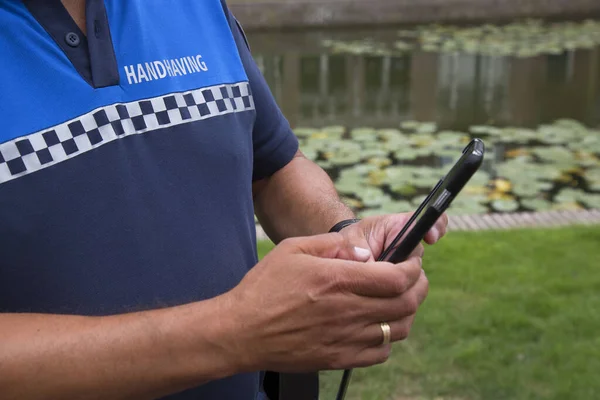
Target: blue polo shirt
x=127 y=156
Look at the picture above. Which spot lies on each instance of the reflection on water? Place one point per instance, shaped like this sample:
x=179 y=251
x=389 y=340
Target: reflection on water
x=316 y=88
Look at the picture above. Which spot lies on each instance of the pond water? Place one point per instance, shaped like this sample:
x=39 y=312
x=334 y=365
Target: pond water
x=386 y=112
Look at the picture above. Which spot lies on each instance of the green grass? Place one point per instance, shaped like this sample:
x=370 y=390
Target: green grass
x=510 y=315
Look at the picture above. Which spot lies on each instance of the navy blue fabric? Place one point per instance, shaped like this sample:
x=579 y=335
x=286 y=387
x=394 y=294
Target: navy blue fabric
x=57 y=22
x=162 y=213
x=269 y=119
x=102 y=57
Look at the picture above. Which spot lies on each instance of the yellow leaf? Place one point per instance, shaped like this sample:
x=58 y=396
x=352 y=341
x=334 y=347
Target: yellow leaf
x=502 y=185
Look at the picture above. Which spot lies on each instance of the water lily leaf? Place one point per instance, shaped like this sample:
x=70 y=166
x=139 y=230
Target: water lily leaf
x=466 y=204
x=391 y=206
x=537 y=204
x=373 y=153
x=570 y=206
x=427 y=127
x=485 y=130
x=591 y=142
x=406 y=154
x=592 y=175
x=334 y=130
x=377 y=177
x=410 y=125
x=363 y=135
x=458 y=138
x=590 y=200
x=530 y=189
x=371 y=196
x=568 y=195
x=517 y=170
x=516 y=135
x=505 y=205
x=380 y=161
x=499 y=196
x=521 y=39
x=416 y=201
x=587 y=159
x=404 y=189
x=349 y=185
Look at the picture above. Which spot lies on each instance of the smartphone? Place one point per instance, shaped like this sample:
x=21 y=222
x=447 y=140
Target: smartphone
x=435 y=204
x=426 y=215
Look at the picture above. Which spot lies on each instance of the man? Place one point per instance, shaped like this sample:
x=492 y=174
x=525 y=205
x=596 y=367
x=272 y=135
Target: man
x=138 y=139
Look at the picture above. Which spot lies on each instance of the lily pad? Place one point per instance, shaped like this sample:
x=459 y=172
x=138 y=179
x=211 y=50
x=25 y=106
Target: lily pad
x=532 y=188
x=568 y=195
x=485 y=130
x=505 y=205
x=590 y=200
x=373 y=197
x=392 y=206
x=537 y=204
x=570 y=206
x=406 y=189
x=363 y=134
x=555 y=155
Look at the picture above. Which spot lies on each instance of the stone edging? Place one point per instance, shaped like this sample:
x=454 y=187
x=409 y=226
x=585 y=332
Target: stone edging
x=268 y=14
x=510 y=221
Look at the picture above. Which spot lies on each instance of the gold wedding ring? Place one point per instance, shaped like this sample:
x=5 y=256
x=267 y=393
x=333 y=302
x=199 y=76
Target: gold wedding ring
x=387 y=333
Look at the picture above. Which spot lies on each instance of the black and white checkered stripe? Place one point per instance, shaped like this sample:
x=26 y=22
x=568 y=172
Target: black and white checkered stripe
x=40 y=150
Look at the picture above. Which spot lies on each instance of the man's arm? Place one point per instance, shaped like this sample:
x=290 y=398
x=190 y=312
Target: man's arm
x=142 y=355
x=273 y=320
x=298 y=200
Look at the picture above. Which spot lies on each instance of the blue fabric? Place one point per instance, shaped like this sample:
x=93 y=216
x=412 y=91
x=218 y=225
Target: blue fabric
x=150 y=220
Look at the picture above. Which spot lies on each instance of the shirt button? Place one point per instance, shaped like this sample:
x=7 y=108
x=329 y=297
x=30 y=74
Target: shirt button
x=72 y=39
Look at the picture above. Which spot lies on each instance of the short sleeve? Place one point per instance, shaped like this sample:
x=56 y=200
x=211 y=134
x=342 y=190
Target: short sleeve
x=273 y=140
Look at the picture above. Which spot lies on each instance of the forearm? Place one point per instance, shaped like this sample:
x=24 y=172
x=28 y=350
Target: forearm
x=299 y=200
x=132 y=356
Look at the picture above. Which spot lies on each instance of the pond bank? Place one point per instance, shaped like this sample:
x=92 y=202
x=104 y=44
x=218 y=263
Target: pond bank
x=295 y=14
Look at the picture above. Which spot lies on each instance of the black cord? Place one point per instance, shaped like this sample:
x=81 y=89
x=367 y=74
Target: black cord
x=344 y=385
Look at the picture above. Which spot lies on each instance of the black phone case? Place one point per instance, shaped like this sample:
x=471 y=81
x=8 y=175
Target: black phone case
x=436 y=203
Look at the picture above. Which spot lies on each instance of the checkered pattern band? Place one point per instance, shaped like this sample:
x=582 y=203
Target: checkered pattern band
x=43 y=149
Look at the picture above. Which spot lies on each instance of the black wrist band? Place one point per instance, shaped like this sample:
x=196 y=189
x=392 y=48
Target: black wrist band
x=342 y=224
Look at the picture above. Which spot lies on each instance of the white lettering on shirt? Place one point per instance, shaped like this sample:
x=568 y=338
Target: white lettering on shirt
x=131 y=74
x=161 y=69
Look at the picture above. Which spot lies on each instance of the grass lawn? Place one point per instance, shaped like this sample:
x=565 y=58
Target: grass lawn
x=510 y=315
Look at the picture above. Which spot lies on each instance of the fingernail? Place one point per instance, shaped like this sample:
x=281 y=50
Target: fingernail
x=420 y=261
x=362 y=253
x=436 y=234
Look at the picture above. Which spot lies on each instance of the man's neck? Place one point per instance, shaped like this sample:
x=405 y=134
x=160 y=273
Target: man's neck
x=76 y=9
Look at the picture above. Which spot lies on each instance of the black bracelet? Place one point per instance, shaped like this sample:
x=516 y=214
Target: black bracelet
x=342 y=224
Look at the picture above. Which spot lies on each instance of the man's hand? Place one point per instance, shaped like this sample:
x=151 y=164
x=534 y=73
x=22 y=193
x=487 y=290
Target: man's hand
x=307 y=307
x=377 y=233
